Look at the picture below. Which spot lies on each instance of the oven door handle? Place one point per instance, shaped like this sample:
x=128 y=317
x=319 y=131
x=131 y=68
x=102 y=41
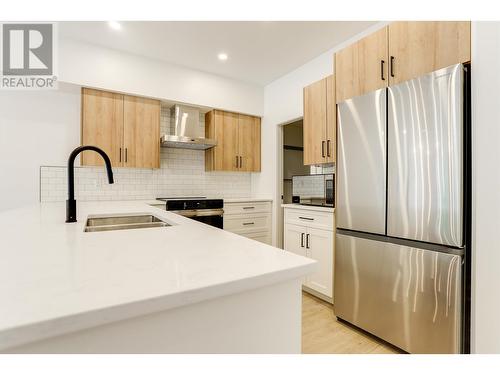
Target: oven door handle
x=202 y=212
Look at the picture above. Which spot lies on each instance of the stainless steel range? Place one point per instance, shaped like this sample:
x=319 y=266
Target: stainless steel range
x=202 y=209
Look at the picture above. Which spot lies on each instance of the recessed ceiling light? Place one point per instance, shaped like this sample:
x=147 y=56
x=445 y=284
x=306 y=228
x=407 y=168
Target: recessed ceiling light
x=115 y=25
x=222 y=56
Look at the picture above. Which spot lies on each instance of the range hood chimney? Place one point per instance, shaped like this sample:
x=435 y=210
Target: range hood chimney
x=185 y=125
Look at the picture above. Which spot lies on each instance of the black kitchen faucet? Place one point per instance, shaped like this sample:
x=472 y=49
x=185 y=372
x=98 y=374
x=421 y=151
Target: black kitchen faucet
x=71 y=202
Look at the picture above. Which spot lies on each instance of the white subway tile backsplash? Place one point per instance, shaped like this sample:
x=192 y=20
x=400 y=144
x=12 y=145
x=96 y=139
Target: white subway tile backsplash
x=309 y=186
x=181 y=173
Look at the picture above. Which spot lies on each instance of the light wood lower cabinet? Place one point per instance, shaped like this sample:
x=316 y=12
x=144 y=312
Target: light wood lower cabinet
x=309 y=233
x=126 y=127
x=249 y=219
x=238 y=139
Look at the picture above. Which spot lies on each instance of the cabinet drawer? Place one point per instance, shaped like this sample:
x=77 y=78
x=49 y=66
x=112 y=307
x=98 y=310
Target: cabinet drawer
x=247 y=223
x=313 y=219
x=246 y=208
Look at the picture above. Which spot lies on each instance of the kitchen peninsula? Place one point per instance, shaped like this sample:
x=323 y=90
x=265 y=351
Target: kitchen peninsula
x=185 y=287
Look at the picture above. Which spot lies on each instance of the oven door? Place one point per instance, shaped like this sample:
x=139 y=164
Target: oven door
x=215 y=221
x=212 y=217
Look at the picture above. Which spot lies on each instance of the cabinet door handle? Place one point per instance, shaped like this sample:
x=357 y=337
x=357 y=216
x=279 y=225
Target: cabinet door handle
x=382 y=62
x=302 y=240
x=237 y=161
x=306 y=218
x=323 y=148
x=307 y=241
x=392 y=66
x=248 y=208
x=241 y=162
x=251 y=223
x=120 y=154
x=328 y=148
x=126 y=155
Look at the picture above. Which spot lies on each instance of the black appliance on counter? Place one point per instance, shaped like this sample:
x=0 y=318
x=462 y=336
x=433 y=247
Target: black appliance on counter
x=208 y=211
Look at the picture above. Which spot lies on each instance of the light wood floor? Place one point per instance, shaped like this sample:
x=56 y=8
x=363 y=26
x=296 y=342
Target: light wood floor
x=322 y=333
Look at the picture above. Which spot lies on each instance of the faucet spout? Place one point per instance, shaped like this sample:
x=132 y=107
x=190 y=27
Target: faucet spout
x=71 y=202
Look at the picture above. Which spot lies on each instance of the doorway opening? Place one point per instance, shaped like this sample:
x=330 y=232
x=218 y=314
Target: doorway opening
x=291 y=163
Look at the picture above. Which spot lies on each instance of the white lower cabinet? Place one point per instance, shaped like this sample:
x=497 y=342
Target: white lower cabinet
x=251 y=219
x=313 y=241
x=320 y=248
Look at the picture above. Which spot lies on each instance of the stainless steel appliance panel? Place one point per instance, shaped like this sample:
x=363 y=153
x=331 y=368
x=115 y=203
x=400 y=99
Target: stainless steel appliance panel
x=361 y=163
x=407 y=296
x=425 y=158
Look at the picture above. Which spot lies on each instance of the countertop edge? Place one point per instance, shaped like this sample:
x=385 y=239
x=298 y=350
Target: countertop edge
x=243 y=200
x=22 y=335
x=308 y=207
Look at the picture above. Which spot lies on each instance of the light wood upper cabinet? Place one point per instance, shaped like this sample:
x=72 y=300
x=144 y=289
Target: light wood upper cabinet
x=417 y=48
x=102 y=126
x=319 y=122
x=362 y=67
x=141 y=138
x=127 y=128
x=238 y=142
x=222 y=126
x=331 y=120
x=314 y=123
x=249 y=143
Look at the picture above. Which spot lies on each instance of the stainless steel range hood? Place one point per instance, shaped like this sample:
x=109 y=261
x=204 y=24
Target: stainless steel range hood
x=186 y=130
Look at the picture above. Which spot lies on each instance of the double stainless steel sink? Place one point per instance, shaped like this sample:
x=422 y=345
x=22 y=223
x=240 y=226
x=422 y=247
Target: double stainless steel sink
x=101 y=223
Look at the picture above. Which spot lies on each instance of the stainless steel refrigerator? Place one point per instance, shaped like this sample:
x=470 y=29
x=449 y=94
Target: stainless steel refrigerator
x=402 y=198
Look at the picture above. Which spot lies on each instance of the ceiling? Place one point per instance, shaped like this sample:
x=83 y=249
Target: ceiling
x=259 y=52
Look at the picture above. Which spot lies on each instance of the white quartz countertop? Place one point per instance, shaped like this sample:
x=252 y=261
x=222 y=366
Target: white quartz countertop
x=57 y=279
x=308 y=207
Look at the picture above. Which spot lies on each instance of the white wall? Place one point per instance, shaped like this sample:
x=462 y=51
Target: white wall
x=486 y=187
x=282 y=104
x=93 y=66
x=36 y=128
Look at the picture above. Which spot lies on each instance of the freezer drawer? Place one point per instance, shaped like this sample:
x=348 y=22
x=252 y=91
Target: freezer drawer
x=425 y=158
x=407 y=296
x=361 y=163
